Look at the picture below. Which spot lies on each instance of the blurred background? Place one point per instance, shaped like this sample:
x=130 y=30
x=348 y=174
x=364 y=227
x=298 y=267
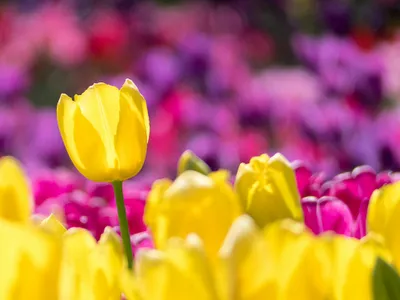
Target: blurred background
x=318 y=80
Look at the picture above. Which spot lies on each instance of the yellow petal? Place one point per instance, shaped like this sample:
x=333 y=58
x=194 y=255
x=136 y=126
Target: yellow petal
x=381 y=207
x=82 y=141
x=129 y=285
x=29 y=261
x=288 y=243
x=66 y=109
x=245 y=179
x=110 y=237
x=100 y=106
x=75 y=275
x=105 y=267
x=247 y=271
x=52 y=225
x=131 y=138
x=193 y=203
x=283 y=178
x=190 y=258
x=150 y=269
x=94 y=157
x=220 y=176
x=181 y=272
x=131 y=93
x=391 y=235
x=153 y=203
x=354 y=278
x=265 y=206
x=15 y=193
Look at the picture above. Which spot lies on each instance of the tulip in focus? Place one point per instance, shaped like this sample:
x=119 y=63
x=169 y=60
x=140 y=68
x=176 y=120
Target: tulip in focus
x=15 y=194
x=193 y=203
x=105 y=131
x=267 y=189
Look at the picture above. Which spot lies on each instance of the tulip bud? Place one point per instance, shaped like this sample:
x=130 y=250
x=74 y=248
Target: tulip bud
x=193 y=203
x=189 y=161
x=267 y=189
x=105 y=131
x=15 y=194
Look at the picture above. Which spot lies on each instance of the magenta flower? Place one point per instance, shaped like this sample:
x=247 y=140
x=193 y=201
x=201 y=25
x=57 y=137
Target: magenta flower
x=49 y=184
x=308 y=184
x=141 y=240
x=327 y=214
x=355 y=187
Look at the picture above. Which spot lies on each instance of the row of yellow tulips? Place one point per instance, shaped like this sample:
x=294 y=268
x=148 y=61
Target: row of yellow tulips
x=213 y=239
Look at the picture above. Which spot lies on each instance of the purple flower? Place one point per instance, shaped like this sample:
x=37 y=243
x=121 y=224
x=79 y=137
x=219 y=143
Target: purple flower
x=45 y=142
x=12 y=80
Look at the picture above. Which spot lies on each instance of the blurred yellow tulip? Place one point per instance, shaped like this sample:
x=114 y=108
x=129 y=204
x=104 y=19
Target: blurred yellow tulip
x=383 y=218
x=15 y=194
x=91 y=271
x=267 y=189
x=193 y=203
x=261 y=263
x=285 y=261
x=180 y=272
x=29 y=263
x=105 y=131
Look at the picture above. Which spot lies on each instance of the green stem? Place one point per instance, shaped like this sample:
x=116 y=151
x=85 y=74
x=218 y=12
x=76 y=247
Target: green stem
x=123 y=222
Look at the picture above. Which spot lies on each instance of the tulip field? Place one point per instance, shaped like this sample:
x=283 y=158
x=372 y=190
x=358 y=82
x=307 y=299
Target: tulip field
x=205 y=150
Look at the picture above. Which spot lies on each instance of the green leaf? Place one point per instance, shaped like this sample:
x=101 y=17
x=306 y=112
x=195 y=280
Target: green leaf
x=386 y=281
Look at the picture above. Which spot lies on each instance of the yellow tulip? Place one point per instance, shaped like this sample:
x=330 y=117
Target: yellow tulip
x=15 y=194
x=180 y=272
x=105 y=131
x=267 y=189
x=285 y=261
x=353 y=280
x=193 y=203
x=89 y=270
x=29 y=263
x=383 y=218
x=262 y=263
